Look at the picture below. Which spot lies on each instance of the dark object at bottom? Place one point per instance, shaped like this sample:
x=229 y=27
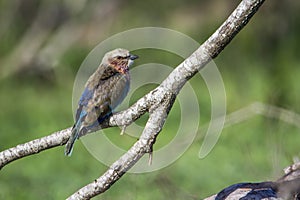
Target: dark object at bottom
x=251 y=191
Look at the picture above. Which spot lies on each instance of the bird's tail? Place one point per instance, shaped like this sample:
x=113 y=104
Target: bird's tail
x=71 y=141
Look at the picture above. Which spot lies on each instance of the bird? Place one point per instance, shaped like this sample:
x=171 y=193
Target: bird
x=105 y=89
x=244 y=191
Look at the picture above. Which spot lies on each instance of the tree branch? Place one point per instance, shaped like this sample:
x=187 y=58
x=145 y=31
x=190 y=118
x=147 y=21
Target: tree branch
x=35 y=146
x=158 y=102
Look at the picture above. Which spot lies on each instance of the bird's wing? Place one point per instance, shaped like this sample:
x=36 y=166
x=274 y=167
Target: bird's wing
x=80 y=116
x=86 y=96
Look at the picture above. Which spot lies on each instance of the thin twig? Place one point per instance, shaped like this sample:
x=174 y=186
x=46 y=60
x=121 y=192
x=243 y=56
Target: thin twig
x=267 y=110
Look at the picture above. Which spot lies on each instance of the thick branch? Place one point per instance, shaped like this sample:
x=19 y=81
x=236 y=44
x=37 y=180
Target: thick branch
x=213 y=45
x=35 y=146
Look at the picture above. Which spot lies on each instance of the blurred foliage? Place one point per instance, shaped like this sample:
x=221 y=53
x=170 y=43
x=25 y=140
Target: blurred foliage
x=43 y=44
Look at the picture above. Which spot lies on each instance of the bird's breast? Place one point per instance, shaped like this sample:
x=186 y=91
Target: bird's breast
x=120 y=89
x=116 y=88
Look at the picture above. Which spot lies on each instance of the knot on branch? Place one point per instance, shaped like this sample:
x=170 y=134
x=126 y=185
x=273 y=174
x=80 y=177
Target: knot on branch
x=162 y=98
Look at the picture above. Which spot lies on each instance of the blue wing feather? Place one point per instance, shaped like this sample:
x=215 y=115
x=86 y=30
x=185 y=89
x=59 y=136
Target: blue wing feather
x=86 y=96
x=80 y=115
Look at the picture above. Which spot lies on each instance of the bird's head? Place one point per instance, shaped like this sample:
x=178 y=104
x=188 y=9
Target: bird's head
x=119 y=59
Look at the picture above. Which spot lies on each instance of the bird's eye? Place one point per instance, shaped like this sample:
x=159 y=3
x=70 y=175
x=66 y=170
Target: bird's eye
x=119 y=57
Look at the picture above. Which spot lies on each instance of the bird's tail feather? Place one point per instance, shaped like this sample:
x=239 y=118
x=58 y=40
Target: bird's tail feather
x=71 y=141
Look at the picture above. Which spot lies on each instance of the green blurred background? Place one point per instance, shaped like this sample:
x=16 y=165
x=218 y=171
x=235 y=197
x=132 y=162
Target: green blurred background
x=43 y=44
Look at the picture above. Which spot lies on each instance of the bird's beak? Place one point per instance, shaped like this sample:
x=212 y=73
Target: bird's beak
x=133 y=57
